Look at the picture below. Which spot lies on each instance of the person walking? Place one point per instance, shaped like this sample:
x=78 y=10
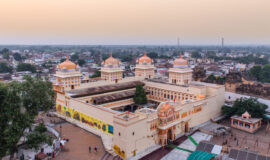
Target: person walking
x=89 y=149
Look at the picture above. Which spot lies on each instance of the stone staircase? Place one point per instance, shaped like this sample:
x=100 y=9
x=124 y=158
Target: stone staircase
x=108 y=156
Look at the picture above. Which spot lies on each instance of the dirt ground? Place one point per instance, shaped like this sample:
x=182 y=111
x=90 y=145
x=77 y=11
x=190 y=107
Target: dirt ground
x=79 y=142
x=258 y=141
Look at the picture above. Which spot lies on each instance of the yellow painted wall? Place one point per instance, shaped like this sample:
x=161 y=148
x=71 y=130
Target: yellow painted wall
x=91 y=121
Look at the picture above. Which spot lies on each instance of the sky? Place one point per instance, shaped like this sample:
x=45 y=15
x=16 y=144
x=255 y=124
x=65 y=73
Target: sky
x=135 y=22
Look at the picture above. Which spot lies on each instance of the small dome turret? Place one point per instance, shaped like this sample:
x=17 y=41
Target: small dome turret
x=111 y=61
x=67 y=64
x=145 y=59
x=180 y=61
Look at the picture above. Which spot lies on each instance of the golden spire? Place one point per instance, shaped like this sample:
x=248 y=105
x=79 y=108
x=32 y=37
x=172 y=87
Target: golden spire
x=180 y=56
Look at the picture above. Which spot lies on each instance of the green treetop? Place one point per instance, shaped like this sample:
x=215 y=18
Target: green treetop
x=26 y=67
x=240 y=106
x=140 y=95
x=20 y=103
x=5 y=68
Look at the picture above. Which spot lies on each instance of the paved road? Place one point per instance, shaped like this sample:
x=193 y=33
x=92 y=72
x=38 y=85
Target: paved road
x=161 y=152
x=79 y=141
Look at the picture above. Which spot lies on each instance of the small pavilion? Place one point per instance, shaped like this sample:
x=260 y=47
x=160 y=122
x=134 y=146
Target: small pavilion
x=246 y=123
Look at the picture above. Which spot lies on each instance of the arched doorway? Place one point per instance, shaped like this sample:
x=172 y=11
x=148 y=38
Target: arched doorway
x=169 y=136
x=186 y=127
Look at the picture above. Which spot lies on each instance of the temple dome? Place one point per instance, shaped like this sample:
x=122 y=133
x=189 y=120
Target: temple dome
x=246 y=115
x=145 y=59
x=111 y=61
x=67 y=64
x=180 y=61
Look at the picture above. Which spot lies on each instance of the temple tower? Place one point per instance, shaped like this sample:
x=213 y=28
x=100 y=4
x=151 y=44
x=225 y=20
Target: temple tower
x=68 y=76
x=111 y=70
x=181 y=73
x=145 y=67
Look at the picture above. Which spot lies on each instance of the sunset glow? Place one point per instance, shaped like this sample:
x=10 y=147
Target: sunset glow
x=134 y=21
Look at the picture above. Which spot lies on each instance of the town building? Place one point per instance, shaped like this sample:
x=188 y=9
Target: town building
x=175 y=105
x=246 y=123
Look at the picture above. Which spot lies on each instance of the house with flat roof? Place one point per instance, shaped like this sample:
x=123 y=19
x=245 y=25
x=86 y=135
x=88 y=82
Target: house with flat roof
x=246 y=123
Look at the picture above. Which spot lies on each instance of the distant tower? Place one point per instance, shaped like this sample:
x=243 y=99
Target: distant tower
x=178 y=43
x=145 y=67
x=111 y=70
x=222 y=42
x=180 y=73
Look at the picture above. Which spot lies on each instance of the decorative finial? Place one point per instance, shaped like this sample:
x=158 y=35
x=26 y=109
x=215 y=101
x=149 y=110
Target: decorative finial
x=144 y=53
x=67 y=57
x=180 y=56
x=111 y=54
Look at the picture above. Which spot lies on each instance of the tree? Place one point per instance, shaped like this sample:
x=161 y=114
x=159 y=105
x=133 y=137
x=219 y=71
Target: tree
x=211 y=54
x=211 y=78
x=240 y=106
x=261 y=61
x=48 y=64
x=220 y=80
x=4 y=68
x=17 y=57
x=35 y=139
x=105 y=56
x=262 y=74
x=39 y=136
x=5 y=50
x=62 y=60
x=140 y=95
x=81 y=62
x=26 y=67
x=265 y=74
x=5 y=53
x=20 y=103
x=195 y=54
x=74 y=57
x=152 y=55
x=126 y=57
x=255 y=71
x=40 y=128
x=96 y=74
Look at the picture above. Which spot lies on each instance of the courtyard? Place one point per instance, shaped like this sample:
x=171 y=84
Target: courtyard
x=258 y=141
x=79 y=142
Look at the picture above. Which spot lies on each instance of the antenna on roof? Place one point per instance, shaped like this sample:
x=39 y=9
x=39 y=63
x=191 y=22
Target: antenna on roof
x=178 y=43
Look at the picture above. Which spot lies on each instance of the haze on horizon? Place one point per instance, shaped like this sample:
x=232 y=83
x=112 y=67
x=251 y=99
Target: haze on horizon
x=132 y=22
